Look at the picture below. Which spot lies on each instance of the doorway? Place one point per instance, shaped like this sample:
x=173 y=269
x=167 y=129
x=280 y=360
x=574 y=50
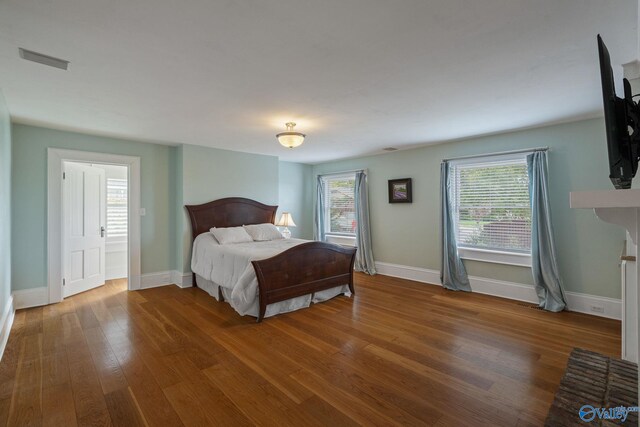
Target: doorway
x=94 y=225
x=88 y=263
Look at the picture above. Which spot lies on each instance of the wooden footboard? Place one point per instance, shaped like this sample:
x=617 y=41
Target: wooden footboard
x=304 y=269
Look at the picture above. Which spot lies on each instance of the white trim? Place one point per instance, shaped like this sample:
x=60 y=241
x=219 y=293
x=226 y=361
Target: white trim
x=54 y=214
x=35 y=297
x=418 y=274
x=164 y=278
x=184 y=280
x=578 y=302
x=154 y=280
x=496 y=257
x=27 y=298
x=503 y=289
x=5 y=324
x=583 y=303
x=341 y=239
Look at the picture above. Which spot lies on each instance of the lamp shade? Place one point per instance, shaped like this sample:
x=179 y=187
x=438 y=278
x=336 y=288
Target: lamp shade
x=286 y=220
x=290 y=139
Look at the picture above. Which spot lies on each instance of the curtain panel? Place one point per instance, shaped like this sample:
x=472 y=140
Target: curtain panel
x=544 y=266
x=318 y=215
x=453 y=275
x=364 y=254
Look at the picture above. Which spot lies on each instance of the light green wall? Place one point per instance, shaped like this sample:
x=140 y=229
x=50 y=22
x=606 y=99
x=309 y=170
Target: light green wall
x=5 y=204
x=210 y=174
x=29 y=198
x=296 y=197
x=588 y=249
x=408 y=234
x=170 y=178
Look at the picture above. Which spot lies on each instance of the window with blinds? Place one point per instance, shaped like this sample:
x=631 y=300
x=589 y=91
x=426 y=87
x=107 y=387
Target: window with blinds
x=340 y=204
x=492 y=207
x=116 y=209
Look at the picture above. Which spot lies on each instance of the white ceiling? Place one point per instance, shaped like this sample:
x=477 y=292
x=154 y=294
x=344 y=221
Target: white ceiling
x=356 y=75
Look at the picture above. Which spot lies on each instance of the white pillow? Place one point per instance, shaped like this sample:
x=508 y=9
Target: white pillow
x=263 y=232
x=229 y=235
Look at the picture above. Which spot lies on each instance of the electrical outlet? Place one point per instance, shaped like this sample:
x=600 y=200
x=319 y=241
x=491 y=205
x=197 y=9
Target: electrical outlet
x=597 y=308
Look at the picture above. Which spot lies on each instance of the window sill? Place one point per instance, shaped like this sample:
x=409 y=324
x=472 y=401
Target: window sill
x=497 y=257
x=341 y=239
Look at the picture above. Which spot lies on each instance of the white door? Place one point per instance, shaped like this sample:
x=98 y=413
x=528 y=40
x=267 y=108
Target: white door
x=84 y=215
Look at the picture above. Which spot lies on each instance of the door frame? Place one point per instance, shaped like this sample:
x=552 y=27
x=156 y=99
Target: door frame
x=55 y=159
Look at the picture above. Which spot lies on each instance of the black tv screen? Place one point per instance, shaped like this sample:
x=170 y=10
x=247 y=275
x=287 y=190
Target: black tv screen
x=623 y=160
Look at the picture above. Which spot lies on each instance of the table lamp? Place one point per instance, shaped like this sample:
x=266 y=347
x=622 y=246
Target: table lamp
x=286 y=220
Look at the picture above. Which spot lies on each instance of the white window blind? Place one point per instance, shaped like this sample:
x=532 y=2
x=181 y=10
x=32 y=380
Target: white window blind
x=341 y=208
x=116 y=208
x=491 y=203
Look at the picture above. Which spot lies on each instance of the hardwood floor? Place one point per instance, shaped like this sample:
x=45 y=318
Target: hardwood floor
x=399 y=353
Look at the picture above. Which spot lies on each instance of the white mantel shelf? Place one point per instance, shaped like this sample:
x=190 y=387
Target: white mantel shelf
x=605 y=199
x=618 y=207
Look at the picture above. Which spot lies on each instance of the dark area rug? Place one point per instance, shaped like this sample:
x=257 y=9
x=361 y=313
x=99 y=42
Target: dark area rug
x=604 y=384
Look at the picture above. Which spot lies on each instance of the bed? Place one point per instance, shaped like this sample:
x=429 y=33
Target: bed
x=265 y=278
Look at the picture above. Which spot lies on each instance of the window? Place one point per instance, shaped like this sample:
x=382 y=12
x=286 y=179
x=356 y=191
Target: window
x=116 y=209
x=492 y=209
x=340 y=204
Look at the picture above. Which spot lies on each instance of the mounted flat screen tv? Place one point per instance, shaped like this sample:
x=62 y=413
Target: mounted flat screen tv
x=621 y=122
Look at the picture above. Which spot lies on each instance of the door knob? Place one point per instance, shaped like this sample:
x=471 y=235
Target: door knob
x=102 y=231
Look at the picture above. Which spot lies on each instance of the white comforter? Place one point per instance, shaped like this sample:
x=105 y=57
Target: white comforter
x=229 y=266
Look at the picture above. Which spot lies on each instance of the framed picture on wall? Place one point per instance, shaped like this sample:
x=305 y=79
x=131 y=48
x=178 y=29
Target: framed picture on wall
x=400 y=190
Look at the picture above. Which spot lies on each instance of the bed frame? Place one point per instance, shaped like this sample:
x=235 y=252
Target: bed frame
x=304 y=269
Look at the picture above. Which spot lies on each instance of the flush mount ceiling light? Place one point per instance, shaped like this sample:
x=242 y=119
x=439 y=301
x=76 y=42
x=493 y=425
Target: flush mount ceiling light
x=290 y=139
x=41 y=58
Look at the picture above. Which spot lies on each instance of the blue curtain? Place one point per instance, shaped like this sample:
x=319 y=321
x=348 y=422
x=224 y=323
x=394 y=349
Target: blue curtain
x=453 y=275
x=543 y=253
x=318 y=217
x=364 y=255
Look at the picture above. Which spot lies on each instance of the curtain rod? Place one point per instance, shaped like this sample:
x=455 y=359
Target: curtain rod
x=344 y=172
x=524 y=150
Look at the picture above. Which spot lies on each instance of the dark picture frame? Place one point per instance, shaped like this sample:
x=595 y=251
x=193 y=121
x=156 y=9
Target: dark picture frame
x=400 y=191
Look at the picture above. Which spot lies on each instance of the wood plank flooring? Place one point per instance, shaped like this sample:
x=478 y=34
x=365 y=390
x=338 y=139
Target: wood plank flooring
x=398 y=353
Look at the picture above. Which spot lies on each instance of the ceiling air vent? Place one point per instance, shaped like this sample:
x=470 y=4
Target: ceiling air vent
x=40 y=58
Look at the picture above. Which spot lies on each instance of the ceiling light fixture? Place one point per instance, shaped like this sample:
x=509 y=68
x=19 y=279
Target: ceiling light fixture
x=290 y=139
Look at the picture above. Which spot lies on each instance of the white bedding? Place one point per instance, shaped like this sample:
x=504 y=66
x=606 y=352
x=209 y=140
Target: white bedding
x=229 y=267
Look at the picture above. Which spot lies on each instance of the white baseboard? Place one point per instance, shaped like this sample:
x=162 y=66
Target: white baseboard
x=35 y=297
x=163 y=278
x=6 y=321
x=27 y=298
x=154 y=280
x=584 y=303
x=500 y=288
x=183 y=280
x=579 y=302
x=410 y=273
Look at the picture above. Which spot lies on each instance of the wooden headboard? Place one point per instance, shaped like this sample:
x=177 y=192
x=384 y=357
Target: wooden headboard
x=229 y=212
